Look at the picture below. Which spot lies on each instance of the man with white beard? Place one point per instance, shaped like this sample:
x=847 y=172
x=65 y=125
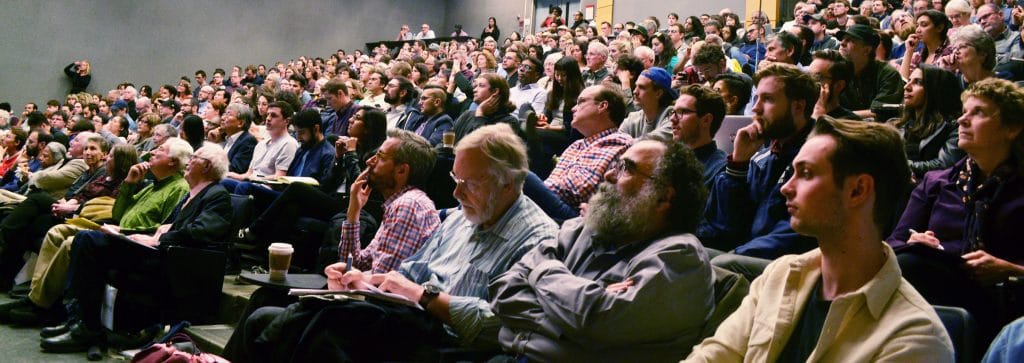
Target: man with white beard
x=597 y=293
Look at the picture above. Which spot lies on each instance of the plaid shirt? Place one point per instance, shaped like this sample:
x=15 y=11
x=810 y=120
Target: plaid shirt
x=581 y=167
x=409 y=219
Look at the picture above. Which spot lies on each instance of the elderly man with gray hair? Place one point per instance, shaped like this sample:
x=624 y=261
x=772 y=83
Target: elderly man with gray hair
x=448 y=277
x=200 y=219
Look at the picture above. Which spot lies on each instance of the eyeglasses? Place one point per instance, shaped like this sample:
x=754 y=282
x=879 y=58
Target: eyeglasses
x=470 y=186
x=680 y=112
x=525 y=67
x=620 y=165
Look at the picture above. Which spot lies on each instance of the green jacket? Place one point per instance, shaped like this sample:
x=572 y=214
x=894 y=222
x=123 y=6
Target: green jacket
x=144 y=210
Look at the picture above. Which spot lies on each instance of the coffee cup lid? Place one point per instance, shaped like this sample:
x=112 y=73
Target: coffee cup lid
x=280 y=246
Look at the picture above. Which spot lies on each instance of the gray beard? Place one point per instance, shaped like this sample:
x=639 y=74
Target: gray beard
x=619 y=218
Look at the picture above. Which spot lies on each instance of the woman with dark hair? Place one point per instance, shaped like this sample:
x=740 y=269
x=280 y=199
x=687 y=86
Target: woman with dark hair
x=24 y=228
x=192 y=131
x=146 y=91
x=567 y=84
x=932 y=31
x=491 y=30
x=367 y=130
x=692 y=28
x=420 y=75
x=959 y=235
x=931 y=105
x=515 y=37
x=664 y=51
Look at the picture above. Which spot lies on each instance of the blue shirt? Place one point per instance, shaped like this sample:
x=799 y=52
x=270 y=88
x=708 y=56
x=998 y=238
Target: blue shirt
x=463 y=259
x=314 y=162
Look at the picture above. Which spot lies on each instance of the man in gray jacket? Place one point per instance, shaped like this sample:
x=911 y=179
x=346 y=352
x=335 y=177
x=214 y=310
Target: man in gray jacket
x=626 y=282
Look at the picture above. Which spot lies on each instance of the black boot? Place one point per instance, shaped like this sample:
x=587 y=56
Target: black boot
x=78 y=338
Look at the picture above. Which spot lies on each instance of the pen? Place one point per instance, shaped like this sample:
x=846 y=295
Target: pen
x=912 y=231
x=348 y=264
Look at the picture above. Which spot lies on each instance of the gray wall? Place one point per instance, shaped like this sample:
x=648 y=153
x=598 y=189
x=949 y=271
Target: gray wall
x=473 y=14
x=155 y=42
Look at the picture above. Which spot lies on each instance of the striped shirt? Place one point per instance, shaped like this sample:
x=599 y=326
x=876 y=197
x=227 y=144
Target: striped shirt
x=463 y=260
x=409 y=219
x=581 y=167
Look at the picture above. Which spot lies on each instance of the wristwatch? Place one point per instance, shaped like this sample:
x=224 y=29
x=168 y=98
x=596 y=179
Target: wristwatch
x=430 y=292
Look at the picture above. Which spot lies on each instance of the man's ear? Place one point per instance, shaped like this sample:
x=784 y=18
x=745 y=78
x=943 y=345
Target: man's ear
x=665 y=202
x=859 y=188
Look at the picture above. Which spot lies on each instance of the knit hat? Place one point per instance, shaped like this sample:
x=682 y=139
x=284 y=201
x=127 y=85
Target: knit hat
x=662 y=78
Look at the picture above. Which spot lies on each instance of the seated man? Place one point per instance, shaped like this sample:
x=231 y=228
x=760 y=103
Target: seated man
x=200 y=220
x=846 y=300
x=136 y=210
x=597 y=115
x=560 y=304
x=273 y=156
x=653 y=95
x=313 y=158
x=747 y=213
x=430 y=121
x=403 y=164
x=696 y=118
x=234 y=130
x=494 y=228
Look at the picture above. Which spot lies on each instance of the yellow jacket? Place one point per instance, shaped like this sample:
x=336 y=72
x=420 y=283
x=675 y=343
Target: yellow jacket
x=884 y=320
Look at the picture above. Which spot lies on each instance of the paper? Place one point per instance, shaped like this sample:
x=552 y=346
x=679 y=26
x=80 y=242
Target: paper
x=373 y=293
x=285 y=180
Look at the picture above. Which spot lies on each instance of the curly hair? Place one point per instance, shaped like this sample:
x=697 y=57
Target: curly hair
x=679 y=169
x=1009 y=98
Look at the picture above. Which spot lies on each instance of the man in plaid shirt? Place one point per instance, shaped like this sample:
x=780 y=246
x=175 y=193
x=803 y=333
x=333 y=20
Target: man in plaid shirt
x=598 y=113
x=403 y=162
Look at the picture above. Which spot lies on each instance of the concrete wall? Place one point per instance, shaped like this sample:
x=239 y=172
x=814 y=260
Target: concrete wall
x=155 y=42
x=473 y=14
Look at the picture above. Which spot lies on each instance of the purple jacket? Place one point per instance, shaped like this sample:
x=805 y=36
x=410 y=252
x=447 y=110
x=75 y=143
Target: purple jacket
x=936 y=204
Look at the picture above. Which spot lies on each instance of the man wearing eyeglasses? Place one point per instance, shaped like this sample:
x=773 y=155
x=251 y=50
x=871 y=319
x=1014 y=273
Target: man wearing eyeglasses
x=696 y=117
x=597 y=293
x=448 y=276
x=510 y=67
x=528 y=92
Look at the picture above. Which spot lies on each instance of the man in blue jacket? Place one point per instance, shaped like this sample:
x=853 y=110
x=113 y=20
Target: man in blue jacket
x=747 y=214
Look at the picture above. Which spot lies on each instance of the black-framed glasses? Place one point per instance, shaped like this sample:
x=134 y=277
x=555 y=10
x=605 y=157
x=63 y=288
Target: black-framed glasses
x=619 y=165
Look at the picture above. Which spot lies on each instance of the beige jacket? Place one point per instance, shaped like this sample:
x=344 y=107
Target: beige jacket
x=885 y=320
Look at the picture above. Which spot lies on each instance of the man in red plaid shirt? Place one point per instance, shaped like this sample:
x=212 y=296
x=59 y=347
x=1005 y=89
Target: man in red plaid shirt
x=598 y=113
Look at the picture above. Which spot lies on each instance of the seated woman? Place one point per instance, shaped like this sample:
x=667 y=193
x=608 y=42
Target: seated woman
x=931 y=104
x=932 y=30
x=367 y=131
x=958 y=236
x=26 y=226
x=49 y=156
x=974 y=54
x=201 y=220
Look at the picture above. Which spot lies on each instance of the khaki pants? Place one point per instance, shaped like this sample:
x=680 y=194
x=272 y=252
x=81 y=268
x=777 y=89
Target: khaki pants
x=50 y=275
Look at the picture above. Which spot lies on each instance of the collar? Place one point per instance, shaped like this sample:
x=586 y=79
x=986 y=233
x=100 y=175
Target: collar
x=503 y=227
x=397 y=194
x=876 y=292
x=702 y=152
x=592 y=138
x=157 y=184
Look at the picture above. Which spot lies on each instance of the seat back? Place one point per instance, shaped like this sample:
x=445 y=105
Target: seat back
x=960 y=327
x=730 y=289
x=196 y=278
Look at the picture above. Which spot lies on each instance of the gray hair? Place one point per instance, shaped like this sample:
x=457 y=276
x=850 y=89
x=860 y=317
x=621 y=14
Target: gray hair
x=505 y=151
x=978 y=38
x=218 y=159
x=959 y=6
x=416 y=152
x=244 y=114
x=168 y=129
x=57 y=150
x=644 y=52
x=598 y=47
x=179 y=150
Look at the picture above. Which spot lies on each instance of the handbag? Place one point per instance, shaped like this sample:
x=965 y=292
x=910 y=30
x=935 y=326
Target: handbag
x=178 y=349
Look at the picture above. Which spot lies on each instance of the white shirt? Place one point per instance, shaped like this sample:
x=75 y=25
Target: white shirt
x=273 y=155
x=531 y=94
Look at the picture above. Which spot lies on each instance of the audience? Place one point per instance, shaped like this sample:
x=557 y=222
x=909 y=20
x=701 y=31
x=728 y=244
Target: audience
x=596 y=91
x=845 y=300
x=557 y=304
x=955 y=238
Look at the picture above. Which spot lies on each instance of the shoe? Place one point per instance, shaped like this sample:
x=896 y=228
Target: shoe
x=34 y=315
x=52 y=331
x=5 y=309
x=20 y=290
x=78 y=338
x=247 y=235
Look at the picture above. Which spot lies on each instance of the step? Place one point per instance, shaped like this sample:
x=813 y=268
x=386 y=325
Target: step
x=235 y=296
x=211 y=338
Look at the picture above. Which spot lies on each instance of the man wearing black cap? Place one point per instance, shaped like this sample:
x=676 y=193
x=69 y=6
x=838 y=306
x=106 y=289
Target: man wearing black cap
x=822 y=40
x=874 y=83
x=167 y=109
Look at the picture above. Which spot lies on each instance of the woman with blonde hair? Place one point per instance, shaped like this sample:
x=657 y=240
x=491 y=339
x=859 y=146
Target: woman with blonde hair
x=80 y=74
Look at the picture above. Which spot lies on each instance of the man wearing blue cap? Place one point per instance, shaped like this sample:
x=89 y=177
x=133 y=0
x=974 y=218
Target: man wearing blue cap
x=653 y=95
